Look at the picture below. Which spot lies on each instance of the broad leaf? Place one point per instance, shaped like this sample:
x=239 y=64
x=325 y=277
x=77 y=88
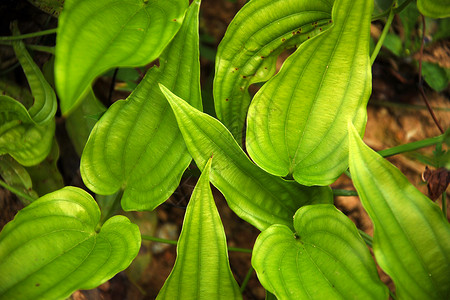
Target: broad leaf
x=411 y=236
x=20 y=137
x=297 y=122
x=254 y=195
x=434 y=8
x=46 y=176
x=44 y=107
x=325 y=258
x=137 y=145
x=201 y=270
x=94 y=36
x=80 y=122
x=53 y=247
x=260 y=31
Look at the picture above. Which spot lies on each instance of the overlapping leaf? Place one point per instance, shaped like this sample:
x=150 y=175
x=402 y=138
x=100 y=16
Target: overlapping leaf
x=201 y=270
x=434 y=8
x=411 y=236
x=324 y=259
x=260 y=31
x=16 y=176
x=254 y=195
x=52 y=248
x=94 y=36
x=137 y=145
x=297 y=122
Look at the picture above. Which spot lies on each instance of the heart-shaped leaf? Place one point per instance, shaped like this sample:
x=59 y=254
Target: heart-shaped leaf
x=94 y=36
x=325 y=258
x=254 y=195
x=44 y=107
x=137 y=145
x=201 y=270
x=52 y=247
x=411 y=236
x=297 y=122
x=434 y=8
x=260 y=31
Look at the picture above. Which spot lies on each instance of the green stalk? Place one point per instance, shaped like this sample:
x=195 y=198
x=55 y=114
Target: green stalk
x=17 y=192
x=174 y=242
x=412 y=146
x=28 y=35
x=341 y=192
x=40 y=48
x=246 y=279
x=383 y=34
x=367 y=238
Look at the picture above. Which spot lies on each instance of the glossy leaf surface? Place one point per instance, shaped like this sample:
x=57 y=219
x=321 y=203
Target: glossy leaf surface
x=434 y=8
x=411 y=237
x=94 y=36
x=297 y=122
x=201 y=270
x=254 y=195
x=52 y=248
x=260 y=31
x=324 y=259
x=137 y=145
x=44 y=106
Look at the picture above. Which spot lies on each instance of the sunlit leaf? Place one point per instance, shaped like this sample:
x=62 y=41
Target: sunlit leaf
x=325 y=258
x=297 y=122
x=53 y=247
x=260 y=31
x=94 y=36
x=137 y=145
x=434 y=8
x=201 y=270
x=254 y=195
x=411 y=236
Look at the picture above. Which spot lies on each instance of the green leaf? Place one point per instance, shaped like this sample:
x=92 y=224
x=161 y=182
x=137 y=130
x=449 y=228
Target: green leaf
x=411 y=236
x=15 y=175
x=53 y=7
x=254 y=195
x=46 y=176
x=94 y=36
x=201 y=270
x=260 y=31
x=52 y=248
x=20 y=137
x=435 y=76
x=297 y=122
x=434 y=8
x=44 y=107
x=80 y=122
x=325 y=258
x=137 y=145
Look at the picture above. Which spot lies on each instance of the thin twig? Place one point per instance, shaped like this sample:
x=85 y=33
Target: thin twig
x=422 y=92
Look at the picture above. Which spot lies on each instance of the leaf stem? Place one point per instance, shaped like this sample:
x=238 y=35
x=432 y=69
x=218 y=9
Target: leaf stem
x=341 y=192
x=28 y=35
x=174 y=242
x=383 y=33
x=40 y=48
x=367 y=238
x=412 y=146
x=246 y=279
x=17 y=192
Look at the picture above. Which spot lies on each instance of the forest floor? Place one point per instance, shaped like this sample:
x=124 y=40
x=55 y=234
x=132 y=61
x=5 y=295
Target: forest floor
x=396 y=115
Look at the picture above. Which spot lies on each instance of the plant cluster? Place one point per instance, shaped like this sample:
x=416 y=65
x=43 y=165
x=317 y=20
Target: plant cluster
x=272 y=155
